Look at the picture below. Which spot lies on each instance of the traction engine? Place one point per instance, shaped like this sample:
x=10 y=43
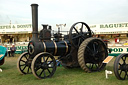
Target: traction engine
x=77 y=49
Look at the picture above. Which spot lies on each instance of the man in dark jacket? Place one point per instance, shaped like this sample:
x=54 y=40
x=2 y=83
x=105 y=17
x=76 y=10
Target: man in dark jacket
x=13 y=49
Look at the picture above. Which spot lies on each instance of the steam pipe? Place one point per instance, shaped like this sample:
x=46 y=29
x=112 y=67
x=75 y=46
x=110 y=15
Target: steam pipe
x=35 y=22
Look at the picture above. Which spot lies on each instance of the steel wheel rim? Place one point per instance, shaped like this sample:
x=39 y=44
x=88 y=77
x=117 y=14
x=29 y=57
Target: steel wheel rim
x=24 y=63
x=121 y=67
x=44 y=68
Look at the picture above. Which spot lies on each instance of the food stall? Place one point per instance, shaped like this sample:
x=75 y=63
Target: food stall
x=18 y=34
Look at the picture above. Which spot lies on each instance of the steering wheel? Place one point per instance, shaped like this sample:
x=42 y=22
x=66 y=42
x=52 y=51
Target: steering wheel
x=78 y=33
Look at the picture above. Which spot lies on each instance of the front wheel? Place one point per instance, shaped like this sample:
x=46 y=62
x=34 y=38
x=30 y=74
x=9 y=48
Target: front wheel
x=24 y=63
x=43 y=65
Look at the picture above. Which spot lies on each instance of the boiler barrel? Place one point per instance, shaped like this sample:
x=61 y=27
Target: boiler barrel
x=56 y=48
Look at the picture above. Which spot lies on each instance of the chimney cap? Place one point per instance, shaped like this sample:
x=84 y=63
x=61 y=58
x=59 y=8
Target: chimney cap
x=34 y=4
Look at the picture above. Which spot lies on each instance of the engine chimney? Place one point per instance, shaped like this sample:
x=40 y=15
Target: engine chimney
x=35 y=22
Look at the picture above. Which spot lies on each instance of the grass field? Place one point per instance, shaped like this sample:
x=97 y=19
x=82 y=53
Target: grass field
x=62 y=76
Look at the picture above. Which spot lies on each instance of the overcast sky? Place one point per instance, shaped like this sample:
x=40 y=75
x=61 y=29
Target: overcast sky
x=54 y=12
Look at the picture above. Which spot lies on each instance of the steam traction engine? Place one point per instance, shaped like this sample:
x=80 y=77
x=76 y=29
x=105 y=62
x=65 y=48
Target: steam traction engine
x=77 y=49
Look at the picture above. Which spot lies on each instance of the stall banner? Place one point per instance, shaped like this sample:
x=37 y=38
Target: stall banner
x=119 y=49
x=20 y=48
x=110 y=28
x=15 y=28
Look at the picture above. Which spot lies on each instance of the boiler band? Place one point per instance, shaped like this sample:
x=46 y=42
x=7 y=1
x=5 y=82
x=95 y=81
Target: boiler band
x=56 y=48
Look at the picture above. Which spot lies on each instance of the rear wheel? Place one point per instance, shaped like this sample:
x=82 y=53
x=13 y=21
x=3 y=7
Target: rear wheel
x=91 y=54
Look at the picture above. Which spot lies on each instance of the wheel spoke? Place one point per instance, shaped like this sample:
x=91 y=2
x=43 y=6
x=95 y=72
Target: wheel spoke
x=23 y=61
x=50 y=62
x=41 y=72
x=101 y=51
x=44 y=73
x=76 y=37
x=94 y=47
x=92 y=66
x=24 y=67
x=89 y=49
x=119 y=66
x=96 y=66
x=81 y=28
x=37 y=68
x=25 y=57
x=89 y=65
x=85 y=33
x=48 y=70
x=47 y=58
x=88 y=55
x=99 y=54
x=76 y=30
x=120 y=72
x=28 y=70
x=124 y=60
x=98 y=48
x=125 y=74
x=44 y=58
x=82 y=36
